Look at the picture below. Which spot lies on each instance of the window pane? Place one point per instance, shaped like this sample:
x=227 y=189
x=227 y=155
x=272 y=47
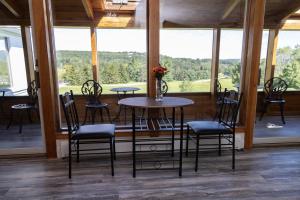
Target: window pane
x=288 y=58
x=230 y=58
x=12 y=64
x=122 y=58
x=73 y=51
x=187 y=55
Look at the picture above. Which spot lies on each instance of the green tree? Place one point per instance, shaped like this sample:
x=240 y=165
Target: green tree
x=291 y=74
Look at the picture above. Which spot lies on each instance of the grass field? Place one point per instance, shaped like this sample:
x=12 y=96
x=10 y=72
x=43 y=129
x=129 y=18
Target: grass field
x=174 y=86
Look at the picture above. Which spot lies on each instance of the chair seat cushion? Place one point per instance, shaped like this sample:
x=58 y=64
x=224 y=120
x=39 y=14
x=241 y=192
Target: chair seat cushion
x=96 y=105
x=208 y=127
x=95 y=131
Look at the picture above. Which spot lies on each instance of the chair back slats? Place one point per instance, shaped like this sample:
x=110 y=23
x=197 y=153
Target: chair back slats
x=275 y=88
x=92 y=90
x=70 y=111
x=229 y=108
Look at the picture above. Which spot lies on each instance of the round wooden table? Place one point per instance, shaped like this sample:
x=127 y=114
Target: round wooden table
x=148 y=103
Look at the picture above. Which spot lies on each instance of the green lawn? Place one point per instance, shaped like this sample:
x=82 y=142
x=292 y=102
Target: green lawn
x=174 y=86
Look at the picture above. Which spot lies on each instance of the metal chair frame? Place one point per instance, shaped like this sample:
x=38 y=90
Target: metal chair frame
x=93 y=90
x=227 y=117
x=71 y=115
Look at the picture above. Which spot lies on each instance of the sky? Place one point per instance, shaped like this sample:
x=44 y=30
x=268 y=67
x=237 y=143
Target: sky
x=175 y=43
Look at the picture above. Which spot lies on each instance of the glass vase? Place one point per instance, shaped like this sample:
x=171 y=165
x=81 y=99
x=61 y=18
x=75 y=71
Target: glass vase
x=159 y=95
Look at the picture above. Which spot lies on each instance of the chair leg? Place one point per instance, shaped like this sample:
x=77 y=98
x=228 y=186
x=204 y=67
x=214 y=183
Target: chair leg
x=70 y=160
x=281 y=112
x=187 y=141
x=265 y=107
x=112 y=157
x=11 y=118
x=21 y=121
x=93 y=111
x=108 y=114
x=85 y=116
x=29 y=115
x=220 y=145
x=197 y=153
x=233 y=151
x=114 y=146
x=77 y=150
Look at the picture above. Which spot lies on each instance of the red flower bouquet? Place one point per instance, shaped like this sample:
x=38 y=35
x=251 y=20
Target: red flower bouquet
x=159 y=71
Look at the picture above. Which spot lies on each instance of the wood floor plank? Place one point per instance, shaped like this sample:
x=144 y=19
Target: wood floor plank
x=265 y=173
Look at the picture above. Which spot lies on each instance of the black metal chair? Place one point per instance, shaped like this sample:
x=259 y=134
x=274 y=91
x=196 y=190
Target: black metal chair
x=21 y=109
x=274 y=90
x=83 y=134
x=223 y=128
x=93 y=90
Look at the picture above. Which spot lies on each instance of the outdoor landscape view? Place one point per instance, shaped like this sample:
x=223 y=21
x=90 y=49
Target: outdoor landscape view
x=123 y=64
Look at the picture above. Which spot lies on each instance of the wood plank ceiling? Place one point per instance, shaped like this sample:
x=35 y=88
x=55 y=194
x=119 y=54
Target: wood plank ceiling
x=174 y=13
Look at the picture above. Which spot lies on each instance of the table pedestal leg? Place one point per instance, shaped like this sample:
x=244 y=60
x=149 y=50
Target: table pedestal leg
x=181 y=140
x=133 y=143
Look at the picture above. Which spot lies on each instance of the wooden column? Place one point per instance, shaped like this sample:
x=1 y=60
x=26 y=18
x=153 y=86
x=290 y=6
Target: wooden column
x=153 y=26
x=28 y=56
x=95 y=67
x=215 y=60
x=253 y=30
x=271 y=54
x=40 y=17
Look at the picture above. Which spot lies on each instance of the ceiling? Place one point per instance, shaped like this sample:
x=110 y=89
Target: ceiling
x=173 y=13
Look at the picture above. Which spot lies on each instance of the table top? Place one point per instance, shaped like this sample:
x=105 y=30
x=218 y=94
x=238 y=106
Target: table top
x=147 y=102
x=125 y=89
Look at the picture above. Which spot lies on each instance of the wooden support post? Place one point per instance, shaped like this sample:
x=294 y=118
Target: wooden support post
x=215 y=60
x=95 y=67
x=153 y=26
x=28 y=56
x=40 y=16
x=271 y=54
x=253 y=30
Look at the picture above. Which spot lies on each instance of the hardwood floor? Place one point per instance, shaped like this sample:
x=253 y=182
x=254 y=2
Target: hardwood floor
x=271 y=126
x=271 y=173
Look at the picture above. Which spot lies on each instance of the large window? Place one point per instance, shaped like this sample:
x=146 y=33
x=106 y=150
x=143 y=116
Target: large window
x=73 y=51
x=122 y=58
x=187 y=54
x=12 y=64
x=230 y=58
x=288 y=58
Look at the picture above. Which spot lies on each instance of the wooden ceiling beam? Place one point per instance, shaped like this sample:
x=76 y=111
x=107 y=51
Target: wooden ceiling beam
x=12 y=6
x=232 y=4
x=88 y=8
x=102 y=4
x=288 y=11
